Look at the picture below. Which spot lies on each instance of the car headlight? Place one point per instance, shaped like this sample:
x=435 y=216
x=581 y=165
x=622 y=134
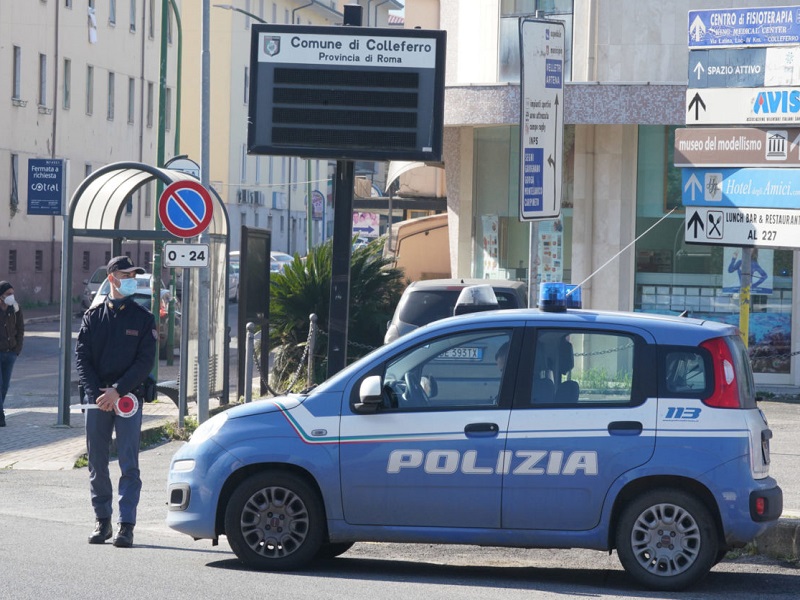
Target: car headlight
x=183 y=465
x=208 y=429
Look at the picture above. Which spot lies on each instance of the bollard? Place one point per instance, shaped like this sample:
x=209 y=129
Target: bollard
x=312 y=342
x=248 y=363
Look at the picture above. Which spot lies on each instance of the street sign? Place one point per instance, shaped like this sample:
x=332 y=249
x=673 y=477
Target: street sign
x=185 y=208
x=356 y=93
x=765 y=227
x=184 y=165
x=766 y=188
x=728 y=67
x=737 y=147
x=46 y=186
x=743 y=106
x=366 y=224
x=185 y=255
x=744 y=67
x=763 y=26
x=542 y=118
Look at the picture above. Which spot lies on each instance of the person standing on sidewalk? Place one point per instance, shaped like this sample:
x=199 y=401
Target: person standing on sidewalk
x=12 y=332
x=115 y=353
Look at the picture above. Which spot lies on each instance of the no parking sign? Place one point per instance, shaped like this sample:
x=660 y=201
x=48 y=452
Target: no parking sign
x=185 y=208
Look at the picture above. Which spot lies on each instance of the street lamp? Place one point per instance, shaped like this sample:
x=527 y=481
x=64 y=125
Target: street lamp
x=239 y=10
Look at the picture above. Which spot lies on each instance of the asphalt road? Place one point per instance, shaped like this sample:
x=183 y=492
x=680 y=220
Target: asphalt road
x=45 y=518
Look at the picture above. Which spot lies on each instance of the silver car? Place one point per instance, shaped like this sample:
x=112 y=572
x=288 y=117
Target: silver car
x=426 y=301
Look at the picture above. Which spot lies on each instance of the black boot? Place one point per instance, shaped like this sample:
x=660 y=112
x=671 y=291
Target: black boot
x=102 y=531
x=124 y=537
x=2 y=419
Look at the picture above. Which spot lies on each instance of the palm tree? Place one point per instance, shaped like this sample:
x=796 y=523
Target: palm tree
x=304 y=287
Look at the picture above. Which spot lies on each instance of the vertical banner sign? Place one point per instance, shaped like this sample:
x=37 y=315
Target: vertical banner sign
x=541 y=118
x=46 y=186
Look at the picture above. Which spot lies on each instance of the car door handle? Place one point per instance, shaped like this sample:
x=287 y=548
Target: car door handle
x=482 y=429
x=625 y=428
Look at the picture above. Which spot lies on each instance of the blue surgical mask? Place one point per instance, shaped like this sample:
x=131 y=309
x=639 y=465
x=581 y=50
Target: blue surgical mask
x=126 y=287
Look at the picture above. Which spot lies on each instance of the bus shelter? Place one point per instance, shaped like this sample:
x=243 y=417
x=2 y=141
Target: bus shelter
x=95 y=211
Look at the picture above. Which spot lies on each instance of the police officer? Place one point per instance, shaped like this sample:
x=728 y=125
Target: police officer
x=115 y=352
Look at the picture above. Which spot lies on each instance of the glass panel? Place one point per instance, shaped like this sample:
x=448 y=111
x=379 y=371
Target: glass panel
x=464 y=370
x=502 y=241
x=673 y=277
x=582 y=368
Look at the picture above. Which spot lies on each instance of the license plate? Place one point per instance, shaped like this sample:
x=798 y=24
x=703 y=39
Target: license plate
x=462 y=354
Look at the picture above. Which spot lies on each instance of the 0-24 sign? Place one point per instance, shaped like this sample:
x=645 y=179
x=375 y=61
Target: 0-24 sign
x=185 y=255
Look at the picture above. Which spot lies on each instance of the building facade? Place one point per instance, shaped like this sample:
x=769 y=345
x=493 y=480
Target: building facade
x=83 y=77
x=620 y=234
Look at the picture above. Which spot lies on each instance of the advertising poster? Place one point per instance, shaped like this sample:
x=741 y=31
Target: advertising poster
x=551 y=263
x=760 y=269
x=491 y=244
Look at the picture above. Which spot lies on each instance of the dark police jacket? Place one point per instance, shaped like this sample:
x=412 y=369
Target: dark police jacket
x=12 y=329
x=116 y=345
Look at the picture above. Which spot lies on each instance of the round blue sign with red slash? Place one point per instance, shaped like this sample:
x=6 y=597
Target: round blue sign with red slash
x=185 y=208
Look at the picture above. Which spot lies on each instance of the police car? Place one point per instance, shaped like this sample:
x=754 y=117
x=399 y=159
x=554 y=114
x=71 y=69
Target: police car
x=529 y=428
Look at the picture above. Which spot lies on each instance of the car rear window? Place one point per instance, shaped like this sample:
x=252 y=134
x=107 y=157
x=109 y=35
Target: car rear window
x=423 y=307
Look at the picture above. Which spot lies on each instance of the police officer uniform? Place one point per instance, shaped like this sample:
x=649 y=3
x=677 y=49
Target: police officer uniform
x=116 y=348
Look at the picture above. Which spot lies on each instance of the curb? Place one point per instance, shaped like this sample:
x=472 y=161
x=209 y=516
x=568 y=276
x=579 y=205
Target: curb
x=782 y=541
x=45 y=319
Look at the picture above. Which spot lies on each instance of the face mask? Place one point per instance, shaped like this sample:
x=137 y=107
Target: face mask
x=127 y=287
x=10 y=300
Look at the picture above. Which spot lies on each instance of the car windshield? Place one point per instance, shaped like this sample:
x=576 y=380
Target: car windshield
x=99 y=276
x=423 y=307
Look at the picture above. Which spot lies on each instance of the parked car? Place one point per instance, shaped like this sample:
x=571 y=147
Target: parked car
x=425 y=301
x=519 y=428
x=92 y=285
x=143 y=296
x=278 y=261
x=233 y=276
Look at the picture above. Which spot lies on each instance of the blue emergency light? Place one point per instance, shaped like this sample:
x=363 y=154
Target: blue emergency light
x=558 y=297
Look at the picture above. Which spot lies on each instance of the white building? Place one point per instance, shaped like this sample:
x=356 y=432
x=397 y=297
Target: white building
x=83 y=78
x=629 y=65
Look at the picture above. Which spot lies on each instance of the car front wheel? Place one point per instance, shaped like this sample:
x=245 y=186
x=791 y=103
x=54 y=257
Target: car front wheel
x=667 y=539
x=275 y=522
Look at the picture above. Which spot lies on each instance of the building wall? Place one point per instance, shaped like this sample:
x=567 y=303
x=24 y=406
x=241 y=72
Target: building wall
x=54 y=130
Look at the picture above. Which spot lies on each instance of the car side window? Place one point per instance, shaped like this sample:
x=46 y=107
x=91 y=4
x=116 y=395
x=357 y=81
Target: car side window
x=583 y=368
x=685 y=371
x=461 y=370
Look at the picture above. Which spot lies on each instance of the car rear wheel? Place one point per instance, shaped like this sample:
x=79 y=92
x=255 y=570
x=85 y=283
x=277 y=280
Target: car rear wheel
x=275 y=522
x=667 y=539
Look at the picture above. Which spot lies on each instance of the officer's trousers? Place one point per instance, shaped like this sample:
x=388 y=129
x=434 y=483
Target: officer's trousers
x=99 y=427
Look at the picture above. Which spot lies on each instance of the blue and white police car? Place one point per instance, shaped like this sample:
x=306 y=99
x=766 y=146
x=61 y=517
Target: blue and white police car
x=521 y=428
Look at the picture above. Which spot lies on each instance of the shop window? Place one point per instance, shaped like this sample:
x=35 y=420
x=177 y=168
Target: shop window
x=703 y=281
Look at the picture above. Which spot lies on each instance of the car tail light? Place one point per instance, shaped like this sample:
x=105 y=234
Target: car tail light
x=726 y=388
x=761 y=506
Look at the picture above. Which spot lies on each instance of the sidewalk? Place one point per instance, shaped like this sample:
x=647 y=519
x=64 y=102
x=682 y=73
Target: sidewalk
x=33 y=440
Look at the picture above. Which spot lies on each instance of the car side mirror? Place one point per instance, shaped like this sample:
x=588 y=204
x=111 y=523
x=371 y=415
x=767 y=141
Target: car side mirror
x=85 y=282
x=371 y=395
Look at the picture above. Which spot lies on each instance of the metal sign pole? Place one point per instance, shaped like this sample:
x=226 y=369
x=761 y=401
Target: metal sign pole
x=744 y=294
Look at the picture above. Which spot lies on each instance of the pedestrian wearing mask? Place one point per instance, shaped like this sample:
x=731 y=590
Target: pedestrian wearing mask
x=115 y=352
x=12 y=331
